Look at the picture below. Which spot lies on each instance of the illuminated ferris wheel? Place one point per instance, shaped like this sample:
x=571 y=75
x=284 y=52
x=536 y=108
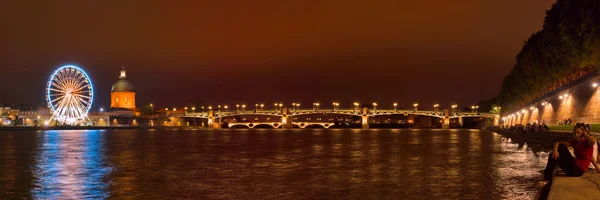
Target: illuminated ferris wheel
x=69 y=94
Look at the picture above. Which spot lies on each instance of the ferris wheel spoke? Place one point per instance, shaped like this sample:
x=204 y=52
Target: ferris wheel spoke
x=81 y=103
x=59 y=91
x=64 y=83
x=80 y=111
x=58 y=85
x=57 y=99
x=84 y=102
x=80 y=87
x=82 y=96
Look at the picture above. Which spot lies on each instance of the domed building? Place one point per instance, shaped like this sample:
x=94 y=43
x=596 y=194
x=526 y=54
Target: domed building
x=122 y=94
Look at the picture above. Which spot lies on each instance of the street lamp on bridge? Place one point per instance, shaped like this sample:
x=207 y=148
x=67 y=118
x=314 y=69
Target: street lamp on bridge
x=193 y=109
x=454 y=106
x=374 y=106
x=416 y=105
x=243 y=107
x=356 y=104
x=436 y=107
x=395 y=106
x=335 y=105
x=185 y=108
x=237 y=107
x=226 y=107
x=262 y=107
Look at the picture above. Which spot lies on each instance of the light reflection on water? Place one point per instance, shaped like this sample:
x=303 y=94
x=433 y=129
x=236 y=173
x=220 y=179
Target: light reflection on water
x=70 y=166
x=267 y=164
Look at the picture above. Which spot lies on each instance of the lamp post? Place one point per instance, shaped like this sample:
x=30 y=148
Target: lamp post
x=476 y=108
x=219 y=106
x=374 y=106
x=473 y=108
x=262 y=107
x=395 y=106
x=193 y=109
x=226 y=107
x=335 y=106
x=151 y=109
x=243 y=107
x=454 y=106
x=416 y=106
x=293 y=106
x=237 y=107
x=356 y=104
x=202 y=109
x=436 y=106
x=185 y=108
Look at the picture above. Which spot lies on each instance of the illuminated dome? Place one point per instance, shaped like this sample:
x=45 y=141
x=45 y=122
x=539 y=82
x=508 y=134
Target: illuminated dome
x=122 y=85
x=122 y=93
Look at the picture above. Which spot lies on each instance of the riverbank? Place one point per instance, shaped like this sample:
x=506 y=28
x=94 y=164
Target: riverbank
x=585 y=187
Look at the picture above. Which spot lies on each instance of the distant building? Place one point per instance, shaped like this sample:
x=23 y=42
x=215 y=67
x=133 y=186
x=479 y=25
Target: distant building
x=122 y=94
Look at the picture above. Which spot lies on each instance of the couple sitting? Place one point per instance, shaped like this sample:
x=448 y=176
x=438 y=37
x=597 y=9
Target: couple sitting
x=583 y=145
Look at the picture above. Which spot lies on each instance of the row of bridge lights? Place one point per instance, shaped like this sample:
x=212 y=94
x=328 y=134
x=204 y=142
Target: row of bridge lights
x=336 y=106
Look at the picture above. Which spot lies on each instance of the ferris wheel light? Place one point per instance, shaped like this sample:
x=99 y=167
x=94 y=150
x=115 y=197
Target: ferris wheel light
x=69 y=94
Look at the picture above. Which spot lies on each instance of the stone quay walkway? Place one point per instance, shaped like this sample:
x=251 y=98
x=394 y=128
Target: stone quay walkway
x=586 y=187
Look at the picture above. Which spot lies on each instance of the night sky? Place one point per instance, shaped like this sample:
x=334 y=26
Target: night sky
x=262 y=51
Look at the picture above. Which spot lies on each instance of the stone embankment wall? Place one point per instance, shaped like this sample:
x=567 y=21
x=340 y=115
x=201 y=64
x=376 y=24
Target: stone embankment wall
x=580 y=103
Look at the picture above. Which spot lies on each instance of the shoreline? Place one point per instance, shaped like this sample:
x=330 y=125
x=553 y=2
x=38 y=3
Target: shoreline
x=562 y=186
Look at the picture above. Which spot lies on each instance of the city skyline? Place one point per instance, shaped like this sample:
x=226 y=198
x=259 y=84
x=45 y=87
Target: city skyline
x=278 y=53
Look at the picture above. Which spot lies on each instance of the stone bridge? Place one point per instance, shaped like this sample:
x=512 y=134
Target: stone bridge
x=213 y=116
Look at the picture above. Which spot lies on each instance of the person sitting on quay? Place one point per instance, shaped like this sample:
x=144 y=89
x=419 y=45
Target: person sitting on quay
x=583 y=144
x=546 y=128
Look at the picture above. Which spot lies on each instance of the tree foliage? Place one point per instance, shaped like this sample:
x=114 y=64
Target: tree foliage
x=567 y=48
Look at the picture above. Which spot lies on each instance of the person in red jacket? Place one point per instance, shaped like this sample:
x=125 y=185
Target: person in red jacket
x=583 y=145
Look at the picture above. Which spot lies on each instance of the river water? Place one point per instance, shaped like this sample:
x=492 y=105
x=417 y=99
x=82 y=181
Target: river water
x=267 y=164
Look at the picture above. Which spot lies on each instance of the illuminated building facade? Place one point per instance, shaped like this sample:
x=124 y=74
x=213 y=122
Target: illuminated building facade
x=122 y=94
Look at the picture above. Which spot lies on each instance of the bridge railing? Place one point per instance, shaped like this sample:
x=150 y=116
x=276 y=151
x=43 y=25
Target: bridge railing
x=294 y=112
